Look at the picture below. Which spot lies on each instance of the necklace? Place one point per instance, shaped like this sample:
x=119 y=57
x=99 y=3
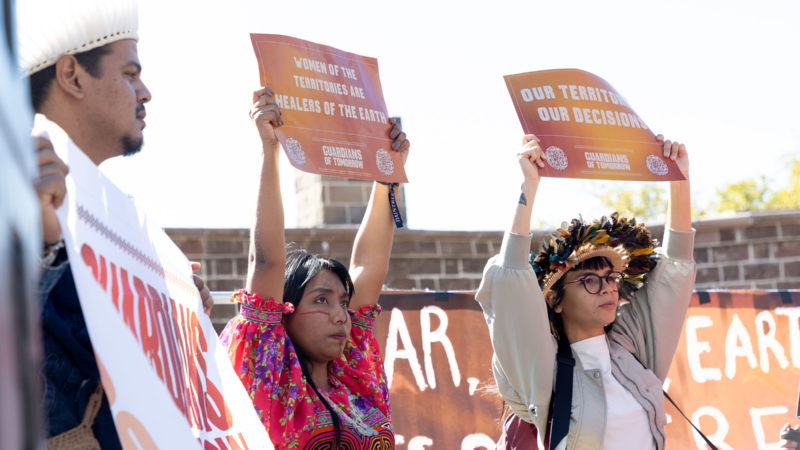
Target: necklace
x=355 y=422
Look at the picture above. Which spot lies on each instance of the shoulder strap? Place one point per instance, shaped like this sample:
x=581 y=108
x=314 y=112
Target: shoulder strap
x=708 y=441
x=562 y=397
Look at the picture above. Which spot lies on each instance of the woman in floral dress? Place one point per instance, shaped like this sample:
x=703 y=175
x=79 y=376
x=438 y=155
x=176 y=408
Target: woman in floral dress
x=303 y=344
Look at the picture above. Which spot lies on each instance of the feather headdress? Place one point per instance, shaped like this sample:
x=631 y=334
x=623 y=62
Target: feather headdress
x=627 y=245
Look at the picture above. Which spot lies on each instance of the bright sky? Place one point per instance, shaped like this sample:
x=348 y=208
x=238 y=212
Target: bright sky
x=721 y=76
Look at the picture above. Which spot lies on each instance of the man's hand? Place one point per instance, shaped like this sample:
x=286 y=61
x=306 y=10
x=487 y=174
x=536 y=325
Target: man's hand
x=205 y=294
x=50 y=187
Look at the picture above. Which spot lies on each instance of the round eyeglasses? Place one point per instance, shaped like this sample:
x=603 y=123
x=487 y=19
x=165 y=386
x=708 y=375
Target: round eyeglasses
x=593 y=283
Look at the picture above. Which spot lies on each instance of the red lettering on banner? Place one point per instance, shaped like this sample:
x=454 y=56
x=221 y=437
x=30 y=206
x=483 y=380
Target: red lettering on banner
x=103 y=280
x=127 y=303
x=172 y=372
x=197 y=337
x=193 y=387
x=148 y=329
x=240 y=437
x=173 y=342
x=198 y=346
x=218 y=412
x=90 y=260
x=171 y=338
x=234 y=442
x=132 y=433
x=114 y=287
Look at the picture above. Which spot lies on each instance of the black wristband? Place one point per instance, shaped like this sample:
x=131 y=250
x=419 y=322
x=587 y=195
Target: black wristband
x=398 y=220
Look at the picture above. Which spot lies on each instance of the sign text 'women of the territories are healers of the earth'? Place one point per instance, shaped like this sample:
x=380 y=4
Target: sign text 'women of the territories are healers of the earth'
x=586 y=129
x=335 y=119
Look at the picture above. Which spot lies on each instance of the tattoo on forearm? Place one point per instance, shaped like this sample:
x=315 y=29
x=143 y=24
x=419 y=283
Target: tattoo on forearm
x=522 y=200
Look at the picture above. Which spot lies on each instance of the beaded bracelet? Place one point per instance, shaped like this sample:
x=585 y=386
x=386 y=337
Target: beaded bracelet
x=50 y=252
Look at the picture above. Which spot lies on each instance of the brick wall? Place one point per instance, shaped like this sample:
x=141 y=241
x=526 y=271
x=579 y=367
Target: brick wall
x=754 y=250
x=325 y=201
x=749 y=251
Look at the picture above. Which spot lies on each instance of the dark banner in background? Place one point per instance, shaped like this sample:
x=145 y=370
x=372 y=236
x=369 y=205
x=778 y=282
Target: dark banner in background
x=735 y=372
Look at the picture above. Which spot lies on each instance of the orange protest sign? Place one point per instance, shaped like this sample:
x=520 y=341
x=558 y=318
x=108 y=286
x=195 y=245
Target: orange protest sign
x=586 y=128
x=335 y=118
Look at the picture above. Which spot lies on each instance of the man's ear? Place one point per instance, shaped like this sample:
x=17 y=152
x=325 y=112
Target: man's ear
x=69 y=76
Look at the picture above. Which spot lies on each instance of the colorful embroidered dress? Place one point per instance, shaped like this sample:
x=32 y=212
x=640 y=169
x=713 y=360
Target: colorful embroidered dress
x=265 y=359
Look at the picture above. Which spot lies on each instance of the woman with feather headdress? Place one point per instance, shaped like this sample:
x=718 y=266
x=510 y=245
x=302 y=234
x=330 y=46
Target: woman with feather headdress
x=584 y=331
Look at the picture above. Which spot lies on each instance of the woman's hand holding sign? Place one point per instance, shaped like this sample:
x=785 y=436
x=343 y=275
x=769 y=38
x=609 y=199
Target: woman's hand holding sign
x=677 y=153
x=266 y=116
x=400 y=143
x=679 y=216
x=531 y=158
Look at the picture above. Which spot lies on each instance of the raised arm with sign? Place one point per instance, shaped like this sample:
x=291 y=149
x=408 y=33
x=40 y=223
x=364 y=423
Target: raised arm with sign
x=598 y=312
x=586 y=128
x=303 y=344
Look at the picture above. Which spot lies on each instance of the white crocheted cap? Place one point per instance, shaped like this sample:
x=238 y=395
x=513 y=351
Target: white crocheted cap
x=49 y=29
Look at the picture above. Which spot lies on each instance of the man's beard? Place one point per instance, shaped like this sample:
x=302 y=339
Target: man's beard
x=131 y=146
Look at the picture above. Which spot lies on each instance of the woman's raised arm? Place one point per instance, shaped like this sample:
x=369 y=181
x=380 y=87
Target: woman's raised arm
x=679 y=214
x=267 y=254
x=372 y=247
x=530 y=160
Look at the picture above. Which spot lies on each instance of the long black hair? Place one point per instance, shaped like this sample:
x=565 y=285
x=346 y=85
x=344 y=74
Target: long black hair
x=301 y=267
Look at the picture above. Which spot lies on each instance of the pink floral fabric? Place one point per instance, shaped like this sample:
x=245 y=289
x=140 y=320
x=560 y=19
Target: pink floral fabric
x=265 y=360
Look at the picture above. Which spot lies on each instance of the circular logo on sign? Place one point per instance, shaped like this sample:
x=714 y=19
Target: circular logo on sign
x=384 y=162
x=656 y=165
x=295 y=151
x=556 y=158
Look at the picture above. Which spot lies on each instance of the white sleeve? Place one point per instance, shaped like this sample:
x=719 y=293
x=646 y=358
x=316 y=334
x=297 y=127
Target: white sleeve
x=516 y=314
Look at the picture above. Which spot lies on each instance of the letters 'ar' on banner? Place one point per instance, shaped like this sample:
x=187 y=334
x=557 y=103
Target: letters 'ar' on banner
x=586 y=128
x=735 y=371
x=335 y=118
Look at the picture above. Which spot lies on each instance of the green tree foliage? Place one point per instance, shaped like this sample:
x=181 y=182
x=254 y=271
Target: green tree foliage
x=789 y=197
x=647 y=201
x=754 y=194
x=746 y=195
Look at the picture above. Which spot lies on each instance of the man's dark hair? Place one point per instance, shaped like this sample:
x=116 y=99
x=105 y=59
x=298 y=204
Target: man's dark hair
x=40 y=81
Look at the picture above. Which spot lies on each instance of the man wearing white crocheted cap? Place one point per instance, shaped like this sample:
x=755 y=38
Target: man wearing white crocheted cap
x=84 y=71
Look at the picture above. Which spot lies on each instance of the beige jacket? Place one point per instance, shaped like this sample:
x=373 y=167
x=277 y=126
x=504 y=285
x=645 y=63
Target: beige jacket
x=525 y=351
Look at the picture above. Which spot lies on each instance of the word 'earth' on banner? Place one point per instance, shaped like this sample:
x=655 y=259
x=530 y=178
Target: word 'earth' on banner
x=735 y=371
x=586 y=128
x=335 y=118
